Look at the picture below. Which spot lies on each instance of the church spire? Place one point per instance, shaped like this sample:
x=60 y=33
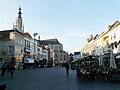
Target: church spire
x=18 y=25
x=19 y=13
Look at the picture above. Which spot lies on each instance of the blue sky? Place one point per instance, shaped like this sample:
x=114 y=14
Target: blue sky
x=70 y=21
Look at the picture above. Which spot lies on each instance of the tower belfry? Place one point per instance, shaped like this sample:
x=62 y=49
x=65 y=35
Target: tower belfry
x=18 y=25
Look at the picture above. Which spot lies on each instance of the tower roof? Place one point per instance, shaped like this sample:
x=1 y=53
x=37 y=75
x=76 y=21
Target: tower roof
x=19 y=13
x=18 y=24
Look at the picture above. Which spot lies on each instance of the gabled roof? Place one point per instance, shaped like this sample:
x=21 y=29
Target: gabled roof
x=71 y=54
x=49 y=41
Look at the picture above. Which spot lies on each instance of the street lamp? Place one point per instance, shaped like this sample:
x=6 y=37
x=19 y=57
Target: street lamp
x=35 y=34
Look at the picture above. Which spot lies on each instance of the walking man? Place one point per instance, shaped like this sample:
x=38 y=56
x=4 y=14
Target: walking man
x=67 y=68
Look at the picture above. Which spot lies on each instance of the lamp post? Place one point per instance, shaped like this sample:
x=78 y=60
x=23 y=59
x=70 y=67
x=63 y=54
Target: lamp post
x=35 y=34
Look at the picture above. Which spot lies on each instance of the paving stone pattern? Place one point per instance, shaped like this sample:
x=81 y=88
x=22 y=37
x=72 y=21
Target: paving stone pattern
x=53 y=78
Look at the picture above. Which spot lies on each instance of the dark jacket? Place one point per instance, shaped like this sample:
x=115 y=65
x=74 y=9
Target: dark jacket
x=67 y=66
x=3 y=68
x=12 y=68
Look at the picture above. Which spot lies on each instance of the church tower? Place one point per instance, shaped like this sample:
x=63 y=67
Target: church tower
x=19 y=25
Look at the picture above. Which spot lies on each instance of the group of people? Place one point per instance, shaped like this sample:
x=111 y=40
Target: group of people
x=10 y=68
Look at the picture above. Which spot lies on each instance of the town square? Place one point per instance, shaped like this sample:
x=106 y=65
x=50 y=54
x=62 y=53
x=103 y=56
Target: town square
x=59 y=45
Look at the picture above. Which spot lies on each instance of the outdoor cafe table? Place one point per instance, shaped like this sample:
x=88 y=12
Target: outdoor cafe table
x=104 y=75
x=85 y=76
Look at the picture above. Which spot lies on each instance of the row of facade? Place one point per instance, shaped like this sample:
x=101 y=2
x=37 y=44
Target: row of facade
x=19 y=44
x=103 y=42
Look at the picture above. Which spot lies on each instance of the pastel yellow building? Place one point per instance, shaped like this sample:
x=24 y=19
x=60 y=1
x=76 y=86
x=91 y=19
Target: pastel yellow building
x=102 y=42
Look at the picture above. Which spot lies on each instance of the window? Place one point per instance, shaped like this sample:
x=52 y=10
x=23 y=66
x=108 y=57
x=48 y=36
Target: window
x=56 y=47
x=51 y=47
x=38 y=49
x=60 y=47
x=16 y=40
x=114 y=36
x=111 y=37
x=11 y=49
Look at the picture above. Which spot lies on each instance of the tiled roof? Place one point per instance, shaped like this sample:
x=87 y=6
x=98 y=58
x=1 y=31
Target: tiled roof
x=5 y=34
x=49 y=41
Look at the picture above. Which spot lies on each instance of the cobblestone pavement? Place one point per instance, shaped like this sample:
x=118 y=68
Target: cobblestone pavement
x=53 y=78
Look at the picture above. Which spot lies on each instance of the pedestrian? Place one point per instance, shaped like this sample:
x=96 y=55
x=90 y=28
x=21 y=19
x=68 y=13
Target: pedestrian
x=67 y=67
x=12 y=69
x=8 y=67
x=3 y=68
x=12 y=60
x=1 y=62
